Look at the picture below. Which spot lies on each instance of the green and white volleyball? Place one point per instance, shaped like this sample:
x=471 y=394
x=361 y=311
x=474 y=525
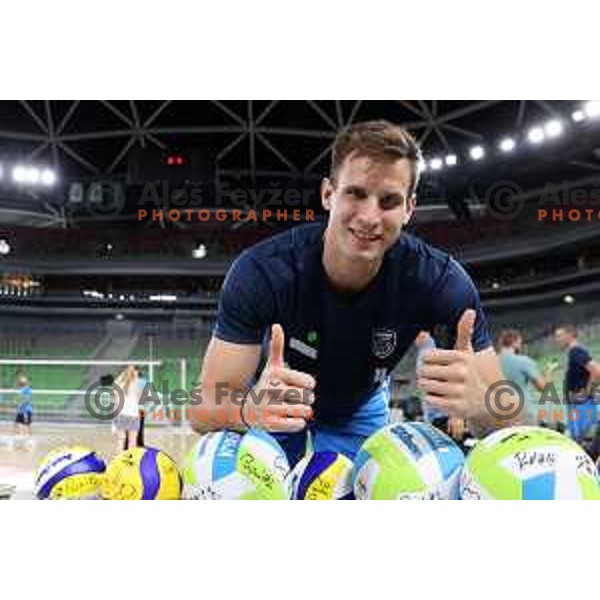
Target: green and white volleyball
x=529 y=463
x=408 y=461
x=225 y=465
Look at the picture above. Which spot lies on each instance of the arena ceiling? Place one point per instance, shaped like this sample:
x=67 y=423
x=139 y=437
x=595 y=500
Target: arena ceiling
x=258 y=138
x=259 y=141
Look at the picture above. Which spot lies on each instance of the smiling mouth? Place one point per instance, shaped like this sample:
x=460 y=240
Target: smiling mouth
x=365 y=237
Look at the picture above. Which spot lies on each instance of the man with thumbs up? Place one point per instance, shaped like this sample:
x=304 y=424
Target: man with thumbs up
x=330 y=308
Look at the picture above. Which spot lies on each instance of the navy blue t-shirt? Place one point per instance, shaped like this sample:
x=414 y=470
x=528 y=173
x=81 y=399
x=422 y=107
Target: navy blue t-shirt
x=349 y=343
x=577 y=376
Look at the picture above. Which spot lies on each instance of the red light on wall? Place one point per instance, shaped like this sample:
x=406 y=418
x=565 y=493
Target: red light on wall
x=175 y=159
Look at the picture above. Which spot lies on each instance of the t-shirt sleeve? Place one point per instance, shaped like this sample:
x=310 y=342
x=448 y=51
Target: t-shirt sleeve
x=530 y=369
x=246 y=303
x=452 y=294
x=26 y=393
x=581 y=357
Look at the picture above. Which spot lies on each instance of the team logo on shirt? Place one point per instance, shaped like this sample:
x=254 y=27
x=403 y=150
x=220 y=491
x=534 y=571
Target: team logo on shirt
x=383 y=342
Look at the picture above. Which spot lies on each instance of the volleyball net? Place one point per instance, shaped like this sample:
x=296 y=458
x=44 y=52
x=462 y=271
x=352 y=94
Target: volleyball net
x=70 y=390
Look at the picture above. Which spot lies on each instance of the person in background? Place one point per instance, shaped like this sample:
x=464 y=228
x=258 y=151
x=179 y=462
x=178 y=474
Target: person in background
x=24 y=416
x=581 y=372
x=431 y=414
x=434 y=416
x=522 y=371
x=141 y=383
x=127 y=421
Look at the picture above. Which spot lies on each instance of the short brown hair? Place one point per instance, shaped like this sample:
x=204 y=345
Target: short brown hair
x=568 y=329
x=508 y=337
x=380 y=140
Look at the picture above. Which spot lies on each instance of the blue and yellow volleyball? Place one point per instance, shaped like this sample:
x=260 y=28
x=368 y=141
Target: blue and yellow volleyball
x=322 y=476
x=529 y=463
x=69 y=473
x=225 y=465
x=408 y=461
x=142 y=474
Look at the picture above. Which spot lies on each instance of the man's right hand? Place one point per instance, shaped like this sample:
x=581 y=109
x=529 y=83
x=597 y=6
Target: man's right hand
x=281 y=400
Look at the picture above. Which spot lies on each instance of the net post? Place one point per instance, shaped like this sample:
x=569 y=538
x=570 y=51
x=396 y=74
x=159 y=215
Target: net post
x=151 y=359
x=183 y=381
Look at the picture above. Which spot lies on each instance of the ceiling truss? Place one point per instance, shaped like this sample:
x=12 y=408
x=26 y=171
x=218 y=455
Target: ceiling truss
x=250 y=126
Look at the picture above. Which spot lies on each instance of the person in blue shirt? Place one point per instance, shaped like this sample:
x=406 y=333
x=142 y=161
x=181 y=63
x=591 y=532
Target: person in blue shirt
x=523 y=371
x=312 y=321
x=24 y=416
x=424 y=342
x=581 y=372
x=454 y=427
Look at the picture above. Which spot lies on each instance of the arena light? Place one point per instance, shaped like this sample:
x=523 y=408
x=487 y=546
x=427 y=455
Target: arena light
x=451 y=160
x=592 y=108
x=48 y=177
x=578 y=116
x=507 y=145
x=32 y=175
x=436 y=164
x=536 y=135
x=553 y=128
x=163 y=298
x=477 y=152
x=19 y=173
x=199 y=252
x=4 y=248
x=568 y=299
x=92 y=294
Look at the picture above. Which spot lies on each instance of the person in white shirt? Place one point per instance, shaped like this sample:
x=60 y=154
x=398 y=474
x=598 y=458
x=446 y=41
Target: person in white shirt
x=127 y=421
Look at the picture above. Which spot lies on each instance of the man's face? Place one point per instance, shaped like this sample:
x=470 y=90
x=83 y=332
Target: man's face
x=421 y=338
x=562 y=338
x=368 y=205
x=518 y=344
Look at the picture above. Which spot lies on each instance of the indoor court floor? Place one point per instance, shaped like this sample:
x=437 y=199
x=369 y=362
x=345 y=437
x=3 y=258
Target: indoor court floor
x=20 y=457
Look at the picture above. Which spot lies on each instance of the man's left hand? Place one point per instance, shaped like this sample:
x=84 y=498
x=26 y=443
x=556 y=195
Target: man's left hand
x=450 y=379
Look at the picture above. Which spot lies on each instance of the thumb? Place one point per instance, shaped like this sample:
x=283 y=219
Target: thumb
x=277 y=346
x=464 y=331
